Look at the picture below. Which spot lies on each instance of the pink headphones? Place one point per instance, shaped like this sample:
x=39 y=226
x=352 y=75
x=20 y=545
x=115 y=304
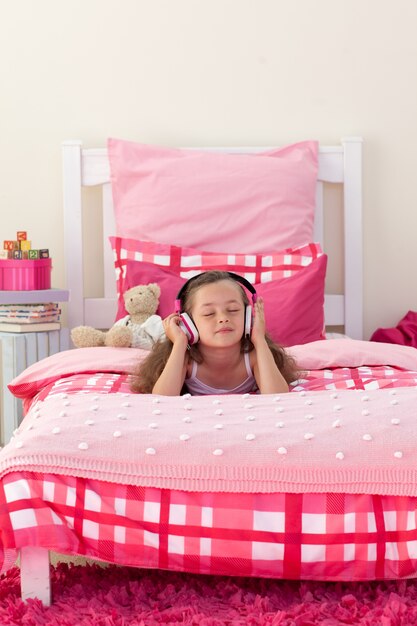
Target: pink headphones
x=187 y=323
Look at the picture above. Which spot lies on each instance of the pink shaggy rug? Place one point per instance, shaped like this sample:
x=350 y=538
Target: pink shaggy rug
x=91 y=595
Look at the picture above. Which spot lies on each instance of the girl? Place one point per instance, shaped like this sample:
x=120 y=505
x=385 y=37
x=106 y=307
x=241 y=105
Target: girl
x=223 y=360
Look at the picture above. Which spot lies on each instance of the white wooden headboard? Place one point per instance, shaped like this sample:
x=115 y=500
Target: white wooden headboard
x=85 y=167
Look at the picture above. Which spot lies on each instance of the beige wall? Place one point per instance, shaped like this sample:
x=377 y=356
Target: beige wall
x=216 y=72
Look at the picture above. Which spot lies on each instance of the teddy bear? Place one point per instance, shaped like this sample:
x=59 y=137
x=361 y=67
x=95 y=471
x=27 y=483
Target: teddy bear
x=140 y=329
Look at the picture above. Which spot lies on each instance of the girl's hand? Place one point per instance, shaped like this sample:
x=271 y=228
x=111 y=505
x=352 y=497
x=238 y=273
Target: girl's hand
x=172 y=329
x=258 y=329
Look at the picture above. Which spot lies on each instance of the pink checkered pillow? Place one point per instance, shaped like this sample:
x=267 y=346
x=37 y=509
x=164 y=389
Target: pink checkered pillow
x=133 y=258
x=187 y=262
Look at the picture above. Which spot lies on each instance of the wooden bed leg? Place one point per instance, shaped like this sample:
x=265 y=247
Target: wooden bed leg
x=34 y=574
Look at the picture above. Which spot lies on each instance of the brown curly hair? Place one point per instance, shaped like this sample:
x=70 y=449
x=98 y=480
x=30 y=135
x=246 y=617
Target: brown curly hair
x=149 y=370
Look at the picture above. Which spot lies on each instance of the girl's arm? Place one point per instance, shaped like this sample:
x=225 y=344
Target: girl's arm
x=171 y=380
x=267 y=375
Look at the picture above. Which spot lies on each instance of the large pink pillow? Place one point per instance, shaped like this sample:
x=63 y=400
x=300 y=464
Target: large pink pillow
x=215 y=201
x=294 y=306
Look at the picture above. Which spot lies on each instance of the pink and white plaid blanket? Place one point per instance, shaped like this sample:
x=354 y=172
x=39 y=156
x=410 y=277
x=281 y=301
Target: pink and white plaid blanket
x=294 y=536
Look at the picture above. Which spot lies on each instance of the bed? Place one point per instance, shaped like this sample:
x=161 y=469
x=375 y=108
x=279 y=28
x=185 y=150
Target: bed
x=316 y=484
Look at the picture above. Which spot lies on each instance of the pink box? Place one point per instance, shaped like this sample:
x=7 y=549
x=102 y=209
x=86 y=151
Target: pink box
x=24 y=275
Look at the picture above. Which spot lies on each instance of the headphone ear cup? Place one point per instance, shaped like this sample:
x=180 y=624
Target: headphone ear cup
x=190 y=329
x=248 y=321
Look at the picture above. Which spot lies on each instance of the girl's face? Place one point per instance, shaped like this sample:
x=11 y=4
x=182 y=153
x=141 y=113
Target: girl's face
x=218 y=312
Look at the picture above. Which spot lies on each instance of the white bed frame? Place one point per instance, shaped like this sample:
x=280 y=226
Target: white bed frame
x=86 y=167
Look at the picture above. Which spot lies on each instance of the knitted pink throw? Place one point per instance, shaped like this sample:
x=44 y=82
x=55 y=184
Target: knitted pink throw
x=349 y=441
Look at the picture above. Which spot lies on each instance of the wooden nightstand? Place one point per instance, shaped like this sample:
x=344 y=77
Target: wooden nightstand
x=19 y=350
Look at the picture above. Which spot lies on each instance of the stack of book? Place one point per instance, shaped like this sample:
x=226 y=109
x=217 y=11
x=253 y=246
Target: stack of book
x=26 y=318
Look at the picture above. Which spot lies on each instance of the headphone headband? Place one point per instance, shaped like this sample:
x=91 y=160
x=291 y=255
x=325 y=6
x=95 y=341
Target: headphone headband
x=232 y=275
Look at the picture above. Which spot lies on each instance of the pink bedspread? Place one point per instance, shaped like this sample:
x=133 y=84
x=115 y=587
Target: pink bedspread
x=306 y=442
x=284 y=534
x=312 y=442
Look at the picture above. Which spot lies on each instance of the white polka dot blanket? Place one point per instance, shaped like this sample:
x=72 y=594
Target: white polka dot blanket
x=362 y=441
x=312 y=441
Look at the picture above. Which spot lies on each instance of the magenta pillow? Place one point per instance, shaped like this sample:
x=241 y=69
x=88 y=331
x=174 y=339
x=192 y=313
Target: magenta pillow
x=294 y=306
x=215 y=201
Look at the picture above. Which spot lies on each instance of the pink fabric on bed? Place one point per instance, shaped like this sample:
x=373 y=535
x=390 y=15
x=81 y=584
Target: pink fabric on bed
x=186 y=262
x=324 y=444
x=215 y=201
x=315 y=355
x=63 y=364
x=353 y=353
x=247 y=535
x=294 y=306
